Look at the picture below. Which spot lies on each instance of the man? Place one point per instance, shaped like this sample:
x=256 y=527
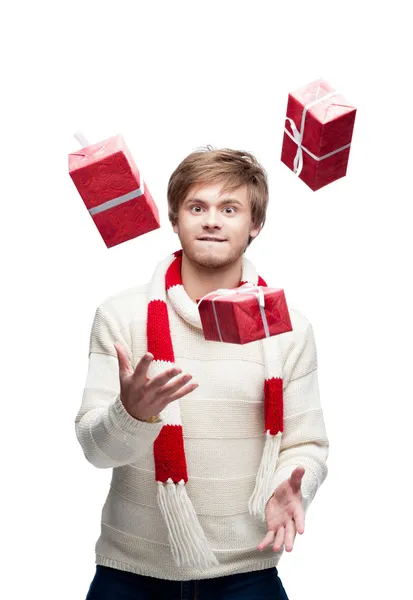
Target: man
x=180 y=419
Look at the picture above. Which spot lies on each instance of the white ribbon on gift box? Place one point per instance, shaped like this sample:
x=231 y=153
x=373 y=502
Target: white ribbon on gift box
x=297 y=137
x=119 y=200
x=115 y=201
x=81 y=139
x=245 y=289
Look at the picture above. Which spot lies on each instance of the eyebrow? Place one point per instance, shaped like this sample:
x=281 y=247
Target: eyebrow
x=220 y=203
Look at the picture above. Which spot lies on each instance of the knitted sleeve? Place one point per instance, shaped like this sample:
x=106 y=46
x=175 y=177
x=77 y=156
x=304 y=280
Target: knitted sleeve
x=304 y=440
x=107 y=433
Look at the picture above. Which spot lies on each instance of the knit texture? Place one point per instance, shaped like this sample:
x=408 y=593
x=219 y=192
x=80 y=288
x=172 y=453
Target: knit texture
x=222 y=426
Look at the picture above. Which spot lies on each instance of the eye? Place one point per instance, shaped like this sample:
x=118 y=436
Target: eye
x=193 y=206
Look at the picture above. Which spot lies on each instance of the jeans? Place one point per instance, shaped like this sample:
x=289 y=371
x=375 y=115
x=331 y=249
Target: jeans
x=113 y=584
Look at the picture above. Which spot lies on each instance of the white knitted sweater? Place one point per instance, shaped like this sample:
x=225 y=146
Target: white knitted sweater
x=223 y=422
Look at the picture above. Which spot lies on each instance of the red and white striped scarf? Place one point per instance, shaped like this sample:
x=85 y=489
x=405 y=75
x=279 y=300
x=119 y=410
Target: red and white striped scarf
x=188 y=542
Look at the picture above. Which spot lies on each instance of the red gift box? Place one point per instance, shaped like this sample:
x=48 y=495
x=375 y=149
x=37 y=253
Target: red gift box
x=244 y=314
x=113 y=191
x=317 y=135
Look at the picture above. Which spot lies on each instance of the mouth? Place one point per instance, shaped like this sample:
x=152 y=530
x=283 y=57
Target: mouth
x=206 y=238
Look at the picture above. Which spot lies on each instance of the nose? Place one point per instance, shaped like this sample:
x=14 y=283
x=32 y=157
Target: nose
x=211 y=219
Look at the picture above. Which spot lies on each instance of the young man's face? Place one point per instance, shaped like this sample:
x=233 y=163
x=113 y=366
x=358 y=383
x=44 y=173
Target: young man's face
x=225 y=218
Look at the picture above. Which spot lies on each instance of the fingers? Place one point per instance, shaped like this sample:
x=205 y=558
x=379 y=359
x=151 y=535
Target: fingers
x=187 y=389
x=290 y=533
x=285 y=534
x=279 y=539
x=269 y=538
x=123 y=360
x=162 y=378
x=141 y=371
x=299 y=519
x=168 y=392
x=175 y=386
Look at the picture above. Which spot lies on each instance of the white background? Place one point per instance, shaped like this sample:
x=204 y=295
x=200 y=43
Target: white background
x=173 y=76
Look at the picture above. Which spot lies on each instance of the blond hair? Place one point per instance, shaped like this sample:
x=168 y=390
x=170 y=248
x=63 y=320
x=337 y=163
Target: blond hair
x=210 y=165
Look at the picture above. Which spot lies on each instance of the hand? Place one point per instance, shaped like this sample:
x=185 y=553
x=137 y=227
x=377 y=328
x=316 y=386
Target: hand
x=284 y=513
x=143 y=397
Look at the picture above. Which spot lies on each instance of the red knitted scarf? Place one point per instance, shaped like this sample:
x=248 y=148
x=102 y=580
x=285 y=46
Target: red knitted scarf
x=188 y=542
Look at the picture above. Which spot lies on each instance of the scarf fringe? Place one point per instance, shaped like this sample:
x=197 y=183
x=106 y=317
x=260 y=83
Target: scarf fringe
x=188 y=542
x=263 y=482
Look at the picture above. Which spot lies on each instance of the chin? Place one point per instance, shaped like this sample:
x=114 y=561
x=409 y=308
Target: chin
x=211 y=256
x=211 y=261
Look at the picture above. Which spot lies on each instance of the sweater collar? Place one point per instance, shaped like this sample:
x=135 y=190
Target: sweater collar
x=179 y=298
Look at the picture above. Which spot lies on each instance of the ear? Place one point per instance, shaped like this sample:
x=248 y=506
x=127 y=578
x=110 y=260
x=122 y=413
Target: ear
x=254 y=231
x=175 y=228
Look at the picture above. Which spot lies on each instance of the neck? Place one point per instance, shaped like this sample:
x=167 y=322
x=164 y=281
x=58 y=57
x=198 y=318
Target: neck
x=198 y=280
